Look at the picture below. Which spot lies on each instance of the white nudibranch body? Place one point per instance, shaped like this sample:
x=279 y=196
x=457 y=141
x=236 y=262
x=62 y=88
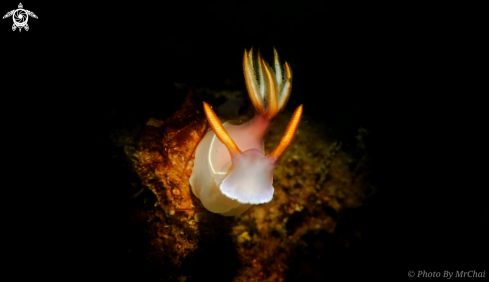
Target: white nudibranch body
x=231 y=171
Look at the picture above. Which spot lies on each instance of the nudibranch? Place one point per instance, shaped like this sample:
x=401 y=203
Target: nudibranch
x=231 y=171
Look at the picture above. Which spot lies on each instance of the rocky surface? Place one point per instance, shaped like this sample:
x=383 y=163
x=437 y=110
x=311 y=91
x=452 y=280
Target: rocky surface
x=315 y=183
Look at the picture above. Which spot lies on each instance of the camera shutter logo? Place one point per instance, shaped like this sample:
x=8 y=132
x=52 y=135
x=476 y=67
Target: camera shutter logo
x=20 y=17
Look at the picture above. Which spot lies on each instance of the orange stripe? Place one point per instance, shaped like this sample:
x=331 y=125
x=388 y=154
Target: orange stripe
x=272 y=93
x=250 y=78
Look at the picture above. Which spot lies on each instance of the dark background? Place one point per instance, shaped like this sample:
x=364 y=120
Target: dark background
x=408 y=74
